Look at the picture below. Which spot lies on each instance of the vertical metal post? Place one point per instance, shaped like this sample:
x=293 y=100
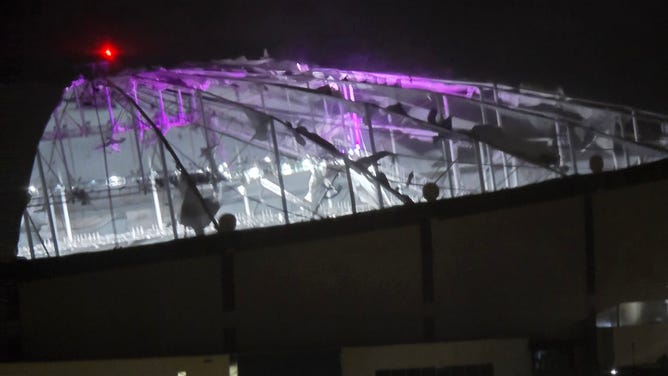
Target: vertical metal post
x=448 y=166
x=326 y=111
x=207 y=141
x=486 y=150
x=343 y=122
x=622 y=135
x=634 y=122
x=289 y=102
x=344 y=92
x=478 y=159
x=168 y=190
x=571 y=149
x=454 y=162
x=136 y=116
x=356 y=126
x=47 y=201
x=66 y=213
x=163 y=115
x=52 y=210
x=560 y=144
x=180 y=101
x=192 y=105
x=448 y=148
x=277 y=157
x=636 y=136
x=287 y=98
x=26 y=224
x=156 y=202
x=614 y=158
x=205 y=122
x=396 y=163
x=78 y=100
x=244 y=194
x=351 y=187
x=165 y=172
x=483 y=115
x=353 y=205
x=77 y=93
x=62 y=151
x=104 y=158
x=504 y=156
x=112 y=119
x=246 y=205
x=367 y=121
x=490 y=160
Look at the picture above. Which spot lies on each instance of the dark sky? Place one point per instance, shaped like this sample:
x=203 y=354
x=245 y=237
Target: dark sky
x=611 y=51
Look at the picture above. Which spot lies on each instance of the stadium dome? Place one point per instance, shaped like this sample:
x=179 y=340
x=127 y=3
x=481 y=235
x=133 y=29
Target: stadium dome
x=150 y=156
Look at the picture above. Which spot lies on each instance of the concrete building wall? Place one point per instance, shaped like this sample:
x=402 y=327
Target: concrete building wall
x=642 y=344
x=169 y=307
x=509 y=357
x=519 y=271
x=630 y=240
x=359 y=288
x=211 y=365
x=499 y=274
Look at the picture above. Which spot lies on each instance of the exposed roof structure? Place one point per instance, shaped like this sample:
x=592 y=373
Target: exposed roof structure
x=149 y=156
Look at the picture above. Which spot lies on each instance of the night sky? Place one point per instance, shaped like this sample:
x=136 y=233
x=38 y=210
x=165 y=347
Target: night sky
x=610 y=51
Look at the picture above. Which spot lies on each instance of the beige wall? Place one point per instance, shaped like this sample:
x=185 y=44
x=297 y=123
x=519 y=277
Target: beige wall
x=359 y=288
x=170 y=307
x=630 y=232
x=513 y=272
x=509 y=357
x=211 y=365
x=640 y=344
x=507 y=273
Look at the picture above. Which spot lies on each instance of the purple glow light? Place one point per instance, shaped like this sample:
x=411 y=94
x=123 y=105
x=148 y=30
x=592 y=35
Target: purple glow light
x=180 y=100
x=199 y=72
x=356 y=122
x=350 y=96
x=76 y=83
x=411 y=82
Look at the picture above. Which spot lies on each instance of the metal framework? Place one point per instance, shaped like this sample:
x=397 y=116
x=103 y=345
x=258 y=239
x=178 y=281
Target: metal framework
x=150 y=156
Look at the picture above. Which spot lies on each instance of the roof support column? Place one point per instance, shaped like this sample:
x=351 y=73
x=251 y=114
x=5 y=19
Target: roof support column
x=504 y=156
x=104 y=157
x=448 y=149
x=478 y=158
x=26 y=226
x=165 y=172
x=137 y=129
x=47 y=202
x=367 y=121
x=636 y=136
x=277 y=158
x=491 y=183
x=279 y=173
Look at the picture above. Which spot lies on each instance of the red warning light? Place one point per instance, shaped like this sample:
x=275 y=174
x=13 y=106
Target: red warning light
x=108 y=52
